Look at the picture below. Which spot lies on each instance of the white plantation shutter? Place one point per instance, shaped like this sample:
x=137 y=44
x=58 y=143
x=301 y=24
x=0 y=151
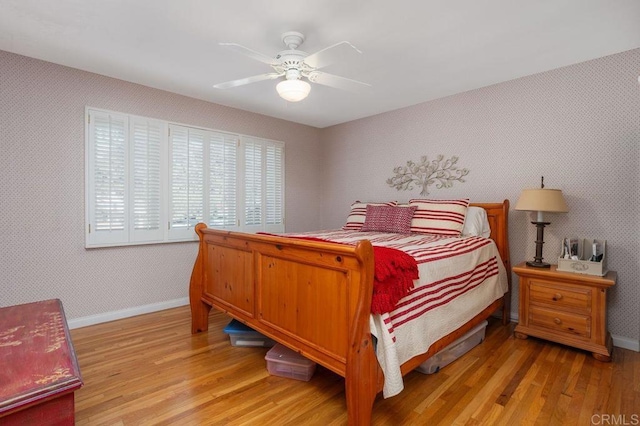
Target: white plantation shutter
x=274 y=192
x=179 y=176
x=196 y=177
x=223 y=192
x=263 y=185
x=186 y=187
x=146 y=169
x=253 y=184
x=150 y=181
x=107 y=174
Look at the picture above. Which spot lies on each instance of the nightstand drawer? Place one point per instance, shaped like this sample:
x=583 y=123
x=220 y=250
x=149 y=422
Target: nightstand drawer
x=562 y=322
x=553 y=294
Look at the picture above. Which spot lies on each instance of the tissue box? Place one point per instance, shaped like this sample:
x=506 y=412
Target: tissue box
x=583 y=265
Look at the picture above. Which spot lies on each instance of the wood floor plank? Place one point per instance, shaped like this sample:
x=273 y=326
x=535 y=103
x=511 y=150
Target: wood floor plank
x=519 y=411
x=484 y=393
x=515 y=381
x=150 y=370
x=579 y=391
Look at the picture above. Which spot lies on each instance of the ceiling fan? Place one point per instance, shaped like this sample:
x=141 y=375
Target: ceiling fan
x=297 y=66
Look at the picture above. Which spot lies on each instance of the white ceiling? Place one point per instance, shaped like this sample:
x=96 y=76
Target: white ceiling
x=413 y=51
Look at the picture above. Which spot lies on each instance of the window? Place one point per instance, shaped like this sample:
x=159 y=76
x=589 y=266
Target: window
x=263 y=184
x=223 y=169
x=252 y=183
x=150 y=181
x=107 y=164
x=147 y=167
x=187 y=180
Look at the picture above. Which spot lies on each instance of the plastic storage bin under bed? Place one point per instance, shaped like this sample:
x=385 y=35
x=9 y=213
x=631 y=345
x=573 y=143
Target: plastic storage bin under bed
x=455 y=350
x=245 y=336
x=283 y=362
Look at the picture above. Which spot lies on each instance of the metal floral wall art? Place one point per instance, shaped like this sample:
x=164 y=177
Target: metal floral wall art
x=425 y=173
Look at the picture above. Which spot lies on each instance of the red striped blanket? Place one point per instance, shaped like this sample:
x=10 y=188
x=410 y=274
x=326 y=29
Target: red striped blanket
x=458 y=278
x=396 y=259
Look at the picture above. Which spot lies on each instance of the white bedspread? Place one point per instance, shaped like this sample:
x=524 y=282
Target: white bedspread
x=459 y=277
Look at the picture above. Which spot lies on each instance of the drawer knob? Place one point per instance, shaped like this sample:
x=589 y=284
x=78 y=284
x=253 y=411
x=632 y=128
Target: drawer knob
x=558 y=321
x=557 y=297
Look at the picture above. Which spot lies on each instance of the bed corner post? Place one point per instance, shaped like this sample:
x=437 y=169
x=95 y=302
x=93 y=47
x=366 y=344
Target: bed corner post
x=363 y=370
x=199 y=309
x=361 y=385
x=506 y=306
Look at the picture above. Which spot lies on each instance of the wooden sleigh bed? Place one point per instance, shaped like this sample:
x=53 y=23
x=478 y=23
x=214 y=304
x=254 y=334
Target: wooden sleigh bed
x=314 y=297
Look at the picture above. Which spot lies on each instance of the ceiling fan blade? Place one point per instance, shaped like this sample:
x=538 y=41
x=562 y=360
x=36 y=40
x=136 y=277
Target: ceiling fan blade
x=338 y=82
x=330 y=55
x=248 y=80
x=249 y=52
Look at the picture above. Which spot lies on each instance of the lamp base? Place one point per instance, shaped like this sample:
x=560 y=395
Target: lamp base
x=539 y=264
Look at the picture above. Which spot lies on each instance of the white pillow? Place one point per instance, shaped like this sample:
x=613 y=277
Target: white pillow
x=444 y=217
x=476 y=223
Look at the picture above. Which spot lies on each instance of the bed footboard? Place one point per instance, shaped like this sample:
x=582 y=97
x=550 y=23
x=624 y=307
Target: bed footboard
x=314 y=297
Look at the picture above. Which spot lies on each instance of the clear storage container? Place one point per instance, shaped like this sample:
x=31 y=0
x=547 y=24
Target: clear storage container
x=283 y=362
x=243 y=335
x=454 y=351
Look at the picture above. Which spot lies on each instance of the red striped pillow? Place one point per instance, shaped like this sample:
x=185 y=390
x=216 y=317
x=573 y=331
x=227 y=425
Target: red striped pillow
x=359 y=212
x=443 y=217
x=388 y=219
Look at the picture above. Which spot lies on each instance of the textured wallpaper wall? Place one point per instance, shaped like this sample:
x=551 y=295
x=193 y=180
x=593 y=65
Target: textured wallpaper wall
x=578 y=126
x=42 y=254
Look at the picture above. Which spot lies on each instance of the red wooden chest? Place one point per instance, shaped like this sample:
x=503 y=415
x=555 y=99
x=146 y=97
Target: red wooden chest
x=38 y=367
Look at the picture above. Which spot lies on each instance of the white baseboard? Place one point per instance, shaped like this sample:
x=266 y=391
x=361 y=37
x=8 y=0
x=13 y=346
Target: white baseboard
x=626 y=343
x=126 y=313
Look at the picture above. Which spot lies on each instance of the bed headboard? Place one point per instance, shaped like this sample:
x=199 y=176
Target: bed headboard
x=498 y=215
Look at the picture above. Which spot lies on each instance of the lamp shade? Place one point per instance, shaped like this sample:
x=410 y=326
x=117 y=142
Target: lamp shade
x=542 y=200
x=293 y=90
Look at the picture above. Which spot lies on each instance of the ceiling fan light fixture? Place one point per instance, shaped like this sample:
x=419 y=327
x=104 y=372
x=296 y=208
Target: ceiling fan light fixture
x=293 y=90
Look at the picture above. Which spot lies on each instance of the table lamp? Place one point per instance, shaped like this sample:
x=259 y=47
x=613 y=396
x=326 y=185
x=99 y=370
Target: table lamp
x=540 y=201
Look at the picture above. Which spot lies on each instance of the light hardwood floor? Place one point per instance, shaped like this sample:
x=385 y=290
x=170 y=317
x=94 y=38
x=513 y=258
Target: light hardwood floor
x=150 y=370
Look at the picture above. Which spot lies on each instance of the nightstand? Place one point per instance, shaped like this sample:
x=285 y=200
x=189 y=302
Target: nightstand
x=565 y=307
